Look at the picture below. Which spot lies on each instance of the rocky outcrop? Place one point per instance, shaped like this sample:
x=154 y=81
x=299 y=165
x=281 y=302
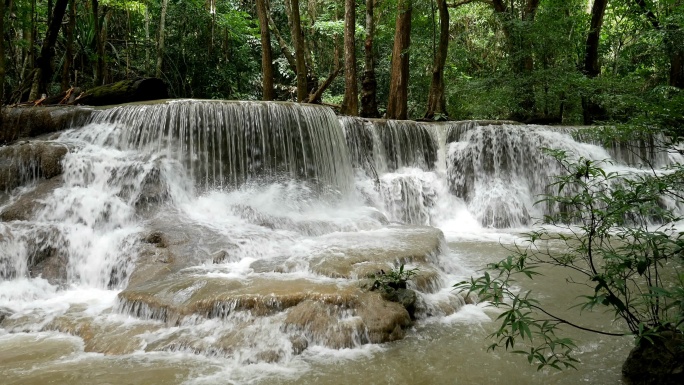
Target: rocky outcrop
x=26 y=122
x=332 y=307
x=29 y=161
x=28 y=204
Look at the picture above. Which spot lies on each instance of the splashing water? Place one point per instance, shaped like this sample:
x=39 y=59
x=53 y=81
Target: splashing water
x=241 y=230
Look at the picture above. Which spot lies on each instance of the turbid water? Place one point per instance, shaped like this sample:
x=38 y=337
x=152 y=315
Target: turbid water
x=200 y=242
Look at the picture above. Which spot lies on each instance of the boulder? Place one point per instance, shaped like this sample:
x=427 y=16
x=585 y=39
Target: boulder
x=29 y=161
x=405 y=297
x=657 y=363
x=29 y=203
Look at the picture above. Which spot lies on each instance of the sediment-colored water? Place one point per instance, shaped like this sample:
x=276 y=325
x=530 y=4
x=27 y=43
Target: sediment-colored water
x=201 y=242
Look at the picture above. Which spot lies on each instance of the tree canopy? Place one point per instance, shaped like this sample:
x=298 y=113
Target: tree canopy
x=569 y=61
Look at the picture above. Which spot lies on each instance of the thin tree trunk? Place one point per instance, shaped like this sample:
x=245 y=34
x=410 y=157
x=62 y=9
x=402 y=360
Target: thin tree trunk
x=43 y=69
x=350 y=103
x=2 y=57
x=266 y=54
x=298 y=39
x=315 y=96
x=677 y=69
x=369 y=86
x=284 y=47
x=436 y=98
x=162 y=33
x=397 y=104
x=102 y=55
x=99 y=66
x=591 y=64
x=68 y=55
x=147 y=39
x=590 y=109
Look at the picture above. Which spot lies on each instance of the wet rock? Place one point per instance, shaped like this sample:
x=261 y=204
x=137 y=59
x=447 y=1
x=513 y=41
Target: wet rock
x=311 y=227
x=383 y=321
x=26 y=162
x=299 y=344
x=152 y=191
x=4 y=313
x=180 y=295
x=51 y=265
x=405 y=297
x=361 y=254
x=660 y=363
x=220 y=257
x=156 y=238
x=24 y=208
x=27 y=122
x=100 y=335
x=33 y=250
x=370 y=319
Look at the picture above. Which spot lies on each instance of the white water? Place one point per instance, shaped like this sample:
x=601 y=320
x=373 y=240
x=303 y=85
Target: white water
x=114 y=193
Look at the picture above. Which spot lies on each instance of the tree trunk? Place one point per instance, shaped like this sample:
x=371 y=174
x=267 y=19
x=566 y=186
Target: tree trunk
x=284 y=48
x=674 y=42
x=162 y=32
x=147 y=39
x=437 y=99
x=591 y=111
x=350 y=103
x=315 y=96
x=369 y=86
x=397 y=104
x=125 y=91
x=2 y=58
x=677 y=69
x=43 y=69
x=298 y=39
x=591 y=64
x=99 y=46
x=68 y=55
x=266 y=54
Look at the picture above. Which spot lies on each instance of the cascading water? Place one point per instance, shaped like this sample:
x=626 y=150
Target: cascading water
x=230 y=143
x=243 y=231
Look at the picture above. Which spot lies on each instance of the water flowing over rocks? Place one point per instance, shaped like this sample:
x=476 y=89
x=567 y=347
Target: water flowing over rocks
x=251 y=231
x=29 y=161
x=34 y=121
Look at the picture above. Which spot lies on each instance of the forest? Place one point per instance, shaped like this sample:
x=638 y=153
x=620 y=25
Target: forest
x=536 y=61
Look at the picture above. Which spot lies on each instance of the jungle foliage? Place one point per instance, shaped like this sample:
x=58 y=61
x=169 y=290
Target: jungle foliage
x=532 y=60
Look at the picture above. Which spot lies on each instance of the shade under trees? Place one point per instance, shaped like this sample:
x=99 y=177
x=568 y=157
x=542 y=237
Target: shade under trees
x=552 y=61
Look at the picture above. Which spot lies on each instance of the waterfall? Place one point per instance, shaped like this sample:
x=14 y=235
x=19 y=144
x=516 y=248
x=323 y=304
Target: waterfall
x=226 y=143
x=388 y=145
x=217 y=228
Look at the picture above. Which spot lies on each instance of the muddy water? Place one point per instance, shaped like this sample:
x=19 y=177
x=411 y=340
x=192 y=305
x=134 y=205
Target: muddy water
x=147 y=224
x=450 y=350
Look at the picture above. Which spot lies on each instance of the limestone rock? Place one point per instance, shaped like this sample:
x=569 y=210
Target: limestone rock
x=405 y=297
x=29 y=203
x=21 y=122
x=26 y=162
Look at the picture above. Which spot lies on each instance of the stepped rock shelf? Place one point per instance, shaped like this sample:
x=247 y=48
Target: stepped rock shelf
x=250 y=231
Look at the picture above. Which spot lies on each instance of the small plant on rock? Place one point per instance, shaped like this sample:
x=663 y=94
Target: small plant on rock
x=394 y=279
